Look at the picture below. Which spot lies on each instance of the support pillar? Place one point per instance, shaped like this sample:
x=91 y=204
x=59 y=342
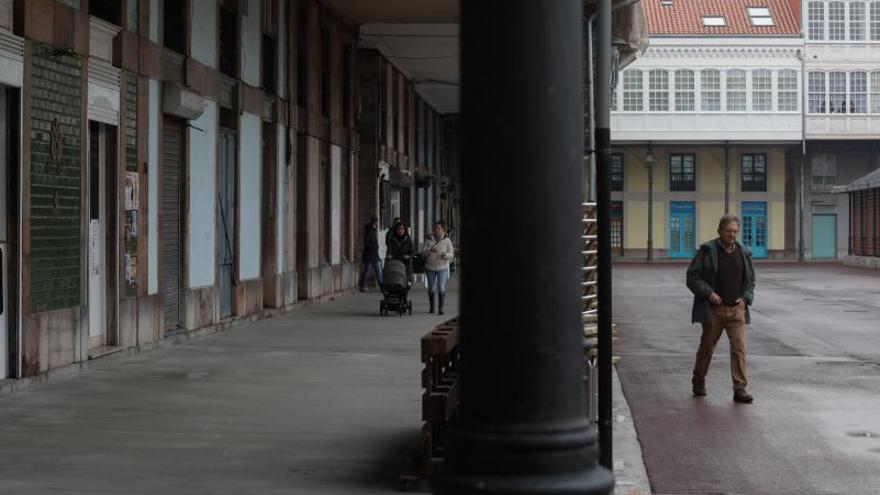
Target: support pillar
x=522 y=427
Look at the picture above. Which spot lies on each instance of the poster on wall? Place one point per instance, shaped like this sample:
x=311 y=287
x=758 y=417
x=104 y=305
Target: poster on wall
x=131 y=190
x=131 y=226
x=131 y=271
x=93 y=247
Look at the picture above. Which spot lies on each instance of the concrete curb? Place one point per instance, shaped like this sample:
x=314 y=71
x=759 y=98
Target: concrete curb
x=630 y=475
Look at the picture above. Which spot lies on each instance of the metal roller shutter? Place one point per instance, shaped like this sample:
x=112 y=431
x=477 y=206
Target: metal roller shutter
x=169 y=222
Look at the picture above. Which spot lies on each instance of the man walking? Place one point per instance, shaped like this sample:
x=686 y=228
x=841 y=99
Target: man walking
x=370 y=254
x=722 y=278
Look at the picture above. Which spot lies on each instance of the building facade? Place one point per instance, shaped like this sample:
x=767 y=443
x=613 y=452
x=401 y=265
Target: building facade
x=708 y=121
x=842 y=121
x=173 y=166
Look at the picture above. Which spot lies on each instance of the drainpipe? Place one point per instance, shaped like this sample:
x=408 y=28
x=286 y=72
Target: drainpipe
x=726 y=177
x=800 y=56
x=521 y=426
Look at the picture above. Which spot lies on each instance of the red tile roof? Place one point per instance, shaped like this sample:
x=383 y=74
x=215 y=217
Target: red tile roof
x=686 y=17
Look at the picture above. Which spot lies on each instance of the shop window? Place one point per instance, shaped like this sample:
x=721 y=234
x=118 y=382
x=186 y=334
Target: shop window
x=617 y=172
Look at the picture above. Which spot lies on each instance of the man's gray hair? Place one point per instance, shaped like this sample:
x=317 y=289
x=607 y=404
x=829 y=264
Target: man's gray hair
x=726 y=219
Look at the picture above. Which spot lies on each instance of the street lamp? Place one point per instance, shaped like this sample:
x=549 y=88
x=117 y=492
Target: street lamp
x=650 y=162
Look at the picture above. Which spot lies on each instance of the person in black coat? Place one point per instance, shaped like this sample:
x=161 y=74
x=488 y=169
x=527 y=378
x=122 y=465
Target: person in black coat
x=370 y=254
x=400 y=247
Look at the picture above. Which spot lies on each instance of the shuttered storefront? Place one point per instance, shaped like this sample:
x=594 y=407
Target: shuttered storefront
x=169 y=221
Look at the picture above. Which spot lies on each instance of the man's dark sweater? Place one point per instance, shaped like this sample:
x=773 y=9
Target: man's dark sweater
x=730 y=275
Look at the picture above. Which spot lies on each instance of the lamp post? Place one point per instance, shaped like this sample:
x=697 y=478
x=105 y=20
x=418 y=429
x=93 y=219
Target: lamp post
x=650 y=162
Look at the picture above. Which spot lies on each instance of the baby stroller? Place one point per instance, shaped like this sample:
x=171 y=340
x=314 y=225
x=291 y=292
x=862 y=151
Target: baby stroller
x=395 y=288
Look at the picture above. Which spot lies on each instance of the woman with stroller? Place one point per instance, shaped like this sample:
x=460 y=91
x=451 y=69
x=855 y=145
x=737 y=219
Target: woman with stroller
x=399 y=246
x=438 y=251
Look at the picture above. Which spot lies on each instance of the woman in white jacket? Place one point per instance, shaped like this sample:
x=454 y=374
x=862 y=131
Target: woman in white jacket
x=438 y=252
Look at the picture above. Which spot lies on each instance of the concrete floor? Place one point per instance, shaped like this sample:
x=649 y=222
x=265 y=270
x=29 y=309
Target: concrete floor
x=814 y=369
x=326 y=399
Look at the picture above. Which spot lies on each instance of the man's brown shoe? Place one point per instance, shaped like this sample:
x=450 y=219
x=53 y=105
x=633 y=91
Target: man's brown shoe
x=699 y=387
x=742 y=397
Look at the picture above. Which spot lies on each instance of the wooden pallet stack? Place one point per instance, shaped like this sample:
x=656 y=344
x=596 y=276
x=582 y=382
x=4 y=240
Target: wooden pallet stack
x=440 y=356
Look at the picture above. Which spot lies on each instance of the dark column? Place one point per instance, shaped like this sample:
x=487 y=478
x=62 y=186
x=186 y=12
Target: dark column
x=522 y=427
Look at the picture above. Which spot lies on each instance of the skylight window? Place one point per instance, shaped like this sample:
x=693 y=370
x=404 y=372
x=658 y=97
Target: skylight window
x=714 y=21
x=760 y=16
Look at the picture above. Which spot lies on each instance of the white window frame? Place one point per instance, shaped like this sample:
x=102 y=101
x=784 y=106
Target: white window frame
x=662 y=92
x=823 y=91
x=860 y=24
x=788 y=86
x=857 y=96
x=834 y=84
x=714 y=21
x=760 y=16
x=632 y=90
x=685 y=90
x=842 y=21
x=716 y=90
x=873 y=15
x=874 y=92
x=762 y=89
x=817 y=7
x=730 y=73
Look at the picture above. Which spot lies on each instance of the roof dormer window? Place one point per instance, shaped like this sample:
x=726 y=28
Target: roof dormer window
x=760 y=16
x=714 y=21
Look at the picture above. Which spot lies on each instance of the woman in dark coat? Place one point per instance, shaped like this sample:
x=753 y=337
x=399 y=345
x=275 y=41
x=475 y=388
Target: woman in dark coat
x=400 y=247
x=370 y=254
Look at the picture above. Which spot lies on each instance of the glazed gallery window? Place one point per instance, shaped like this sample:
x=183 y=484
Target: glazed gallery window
x=754 y=172
x=658 y=90
x=710 y=95
x=681 y=172
x=858 y=92
x=837 y=92
x=736 y=90
x=843 y=20
x=632 y=91
x=817 y=98
x=875 y=92
x=816 y=20
x=787 y=90
x=762 y=90
x=684 y=91
x=844 y=92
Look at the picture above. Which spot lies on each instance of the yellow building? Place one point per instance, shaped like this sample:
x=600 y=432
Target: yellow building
x=692 y=189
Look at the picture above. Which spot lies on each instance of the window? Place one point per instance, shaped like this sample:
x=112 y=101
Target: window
x=836 y=21
x=857 y=21
x=762 y=90
x=754 y=172
x=684 y=90
x=174 y=26
x=325 y=72
x=875 y=21
x=714 y=21
x=760 y=16
x=228 y=42
x=613 y=100
x=823 y=172
x=875 y=92
x=817 y=101
x=617 y=172
x=302 y=65
x=269 y=46
x=816 y=21
x=736 y=90
x=837 y=92
x=346 y=85
x=658 y=90
x=787 y=90
x=858 y=92
x=633 y=100
x=681 y=173
x=710 y=95
x=107 y=10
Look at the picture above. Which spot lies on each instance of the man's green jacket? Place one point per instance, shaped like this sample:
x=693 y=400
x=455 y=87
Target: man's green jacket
x=702 y=277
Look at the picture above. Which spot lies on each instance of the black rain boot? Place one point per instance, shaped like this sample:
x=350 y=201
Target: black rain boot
x=440 y=297
x=431 y=301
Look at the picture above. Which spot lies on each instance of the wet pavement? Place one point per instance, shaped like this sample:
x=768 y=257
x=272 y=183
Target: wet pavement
x=814 y=369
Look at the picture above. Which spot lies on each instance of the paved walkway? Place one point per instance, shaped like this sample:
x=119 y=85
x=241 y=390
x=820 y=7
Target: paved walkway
x=814 y=349
x=323 y=400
